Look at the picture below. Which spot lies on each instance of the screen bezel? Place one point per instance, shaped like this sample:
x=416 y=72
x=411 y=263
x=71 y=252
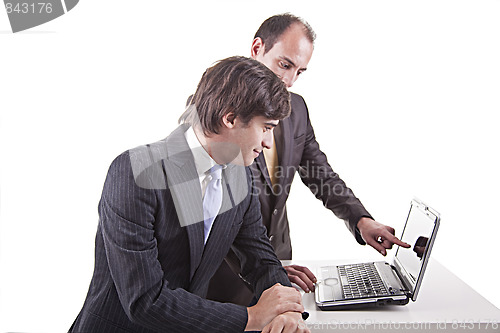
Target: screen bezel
x=414 y=284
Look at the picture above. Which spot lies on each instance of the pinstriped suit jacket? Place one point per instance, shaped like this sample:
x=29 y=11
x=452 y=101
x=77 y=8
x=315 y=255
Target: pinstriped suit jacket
x=151 y=267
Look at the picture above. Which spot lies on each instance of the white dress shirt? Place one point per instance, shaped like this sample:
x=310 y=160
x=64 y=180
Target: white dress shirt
x=203 y=162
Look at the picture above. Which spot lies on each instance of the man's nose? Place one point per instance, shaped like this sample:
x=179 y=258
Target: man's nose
x=289 y=79
x=267 y=140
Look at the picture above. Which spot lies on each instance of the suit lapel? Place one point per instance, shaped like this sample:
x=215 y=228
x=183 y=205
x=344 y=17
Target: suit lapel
x=283 y=136
x=262 y=167
x=279 y=136
x=215 y=249
x=284 y=145
x=235 y=191
x=185 y=188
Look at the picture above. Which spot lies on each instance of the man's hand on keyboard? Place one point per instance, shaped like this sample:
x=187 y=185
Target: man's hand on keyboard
x=301 y=276
x=379 y=236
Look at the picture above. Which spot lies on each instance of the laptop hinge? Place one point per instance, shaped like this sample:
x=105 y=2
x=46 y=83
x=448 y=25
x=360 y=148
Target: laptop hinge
x=407 y=287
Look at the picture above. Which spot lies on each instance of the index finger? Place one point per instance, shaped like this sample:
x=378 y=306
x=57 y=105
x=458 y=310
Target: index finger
x=393 y=239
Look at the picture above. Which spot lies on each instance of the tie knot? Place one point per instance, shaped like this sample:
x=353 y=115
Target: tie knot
x=216 y=171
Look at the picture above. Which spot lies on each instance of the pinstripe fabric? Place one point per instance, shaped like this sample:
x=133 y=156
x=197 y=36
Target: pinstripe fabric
x=151 y=272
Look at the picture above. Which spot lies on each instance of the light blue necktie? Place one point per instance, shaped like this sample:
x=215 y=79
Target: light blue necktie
x=212 y=199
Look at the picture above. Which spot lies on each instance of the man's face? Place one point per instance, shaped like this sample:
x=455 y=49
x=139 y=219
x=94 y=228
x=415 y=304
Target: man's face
x=241 y=143
x=288 y=57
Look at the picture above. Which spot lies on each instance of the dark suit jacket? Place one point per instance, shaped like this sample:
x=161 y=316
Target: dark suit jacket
x=151 y=266
x=299 y=151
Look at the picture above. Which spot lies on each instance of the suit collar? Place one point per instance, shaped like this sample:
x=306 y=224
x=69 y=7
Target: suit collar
x=177 y=147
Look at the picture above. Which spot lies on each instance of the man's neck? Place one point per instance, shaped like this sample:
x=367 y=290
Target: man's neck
x=220 y=149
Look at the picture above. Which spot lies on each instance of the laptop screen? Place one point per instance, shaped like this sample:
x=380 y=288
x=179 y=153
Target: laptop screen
x=419 y=232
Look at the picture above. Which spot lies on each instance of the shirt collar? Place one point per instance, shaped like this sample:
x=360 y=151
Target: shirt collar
x=202 y=159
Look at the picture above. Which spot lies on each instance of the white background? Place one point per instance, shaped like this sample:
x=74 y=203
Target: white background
x=403 y=96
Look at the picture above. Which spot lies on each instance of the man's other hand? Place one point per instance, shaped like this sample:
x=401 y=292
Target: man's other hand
x=274 y=301
x=301 y=276
x=379 y=236
x=289 y=322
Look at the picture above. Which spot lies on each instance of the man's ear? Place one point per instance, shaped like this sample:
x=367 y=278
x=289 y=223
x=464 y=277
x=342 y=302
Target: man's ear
x=229 y=120
x=257 y=47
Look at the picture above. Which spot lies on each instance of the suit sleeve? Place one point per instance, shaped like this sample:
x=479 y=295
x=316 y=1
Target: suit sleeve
x=259 y=265
x=317 y=174
x=127 y=218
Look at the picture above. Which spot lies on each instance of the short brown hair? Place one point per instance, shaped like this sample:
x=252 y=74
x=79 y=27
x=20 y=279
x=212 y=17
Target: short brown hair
x=239 y=85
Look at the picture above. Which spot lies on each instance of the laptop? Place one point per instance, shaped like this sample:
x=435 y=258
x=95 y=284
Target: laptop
x=358 y=285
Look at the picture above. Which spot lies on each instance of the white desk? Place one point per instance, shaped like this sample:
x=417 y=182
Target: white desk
x=445 y=304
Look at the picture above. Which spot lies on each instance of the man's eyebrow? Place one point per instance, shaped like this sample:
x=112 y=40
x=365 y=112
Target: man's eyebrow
x=292 y=63
x=270 y=124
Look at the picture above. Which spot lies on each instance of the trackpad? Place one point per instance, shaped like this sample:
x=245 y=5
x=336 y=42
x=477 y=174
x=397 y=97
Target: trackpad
x=331 y=281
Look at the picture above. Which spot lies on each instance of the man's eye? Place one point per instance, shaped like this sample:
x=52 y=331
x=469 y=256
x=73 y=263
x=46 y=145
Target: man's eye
x=284 y=65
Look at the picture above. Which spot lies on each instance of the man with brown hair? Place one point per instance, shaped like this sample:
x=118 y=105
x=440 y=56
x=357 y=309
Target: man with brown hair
x=170 y=211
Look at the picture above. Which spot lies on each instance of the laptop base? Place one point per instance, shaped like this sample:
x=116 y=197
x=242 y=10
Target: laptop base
x=379 y=303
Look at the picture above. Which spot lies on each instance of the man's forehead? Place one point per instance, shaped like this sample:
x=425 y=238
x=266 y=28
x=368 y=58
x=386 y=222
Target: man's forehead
x=292 y=46
x=272 y=122
x=294 y=35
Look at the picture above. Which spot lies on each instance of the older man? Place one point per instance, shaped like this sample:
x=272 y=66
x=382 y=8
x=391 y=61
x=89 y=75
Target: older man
x=284 y=43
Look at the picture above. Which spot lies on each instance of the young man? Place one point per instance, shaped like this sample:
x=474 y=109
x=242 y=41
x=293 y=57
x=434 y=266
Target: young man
x=170 y=211
x=284 y=43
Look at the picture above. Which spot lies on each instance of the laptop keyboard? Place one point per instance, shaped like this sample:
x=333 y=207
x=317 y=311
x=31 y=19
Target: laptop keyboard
x=361 y=280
